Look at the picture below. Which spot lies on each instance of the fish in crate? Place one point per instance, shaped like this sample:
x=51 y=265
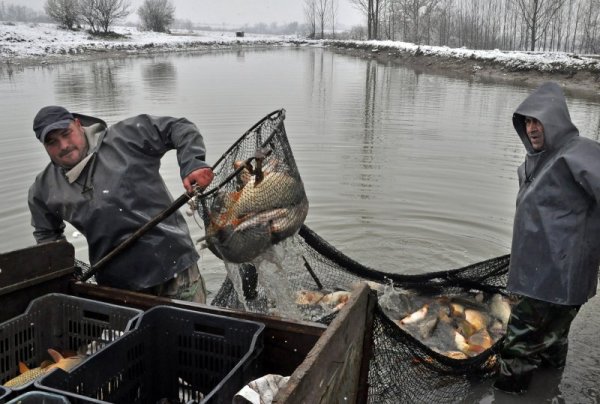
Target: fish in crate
x=58 y=361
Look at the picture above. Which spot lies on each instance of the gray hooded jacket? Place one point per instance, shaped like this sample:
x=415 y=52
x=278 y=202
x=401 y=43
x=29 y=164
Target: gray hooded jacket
x=118 y=191
x=555 y=247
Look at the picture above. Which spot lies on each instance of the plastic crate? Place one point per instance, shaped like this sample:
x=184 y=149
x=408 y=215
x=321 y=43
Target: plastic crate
x=4 y=393
x=175 y=354
x=61 y=322
x=39 y=397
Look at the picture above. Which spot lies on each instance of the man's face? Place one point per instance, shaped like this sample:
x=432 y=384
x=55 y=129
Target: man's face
x=535 y=133
x=67 y=147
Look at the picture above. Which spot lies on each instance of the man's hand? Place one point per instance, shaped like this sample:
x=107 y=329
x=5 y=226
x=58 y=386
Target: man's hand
x=200 y=177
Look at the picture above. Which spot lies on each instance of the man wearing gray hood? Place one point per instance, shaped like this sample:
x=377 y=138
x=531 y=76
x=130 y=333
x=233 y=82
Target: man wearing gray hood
x=555 y=247
x=105 y=181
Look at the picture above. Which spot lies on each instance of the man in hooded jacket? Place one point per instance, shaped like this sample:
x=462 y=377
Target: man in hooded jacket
x=105 y=181
x=555 y=247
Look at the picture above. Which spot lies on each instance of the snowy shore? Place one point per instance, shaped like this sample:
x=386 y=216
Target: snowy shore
x=34 y=44
x=46 y=43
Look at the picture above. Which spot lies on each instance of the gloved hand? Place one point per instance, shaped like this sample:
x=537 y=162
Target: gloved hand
x=201 y=177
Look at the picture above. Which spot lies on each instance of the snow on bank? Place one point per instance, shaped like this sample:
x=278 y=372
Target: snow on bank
x=512 y=60
x=41 y=41
x=21 y=40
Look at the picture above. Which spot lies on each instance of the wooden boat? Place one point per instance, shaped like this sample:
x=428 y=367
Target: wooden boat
x=326 y=364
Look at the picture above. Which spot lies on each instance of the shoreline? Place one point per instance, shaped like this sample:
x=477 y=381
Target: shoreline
x=576 y=82
x=581 y=83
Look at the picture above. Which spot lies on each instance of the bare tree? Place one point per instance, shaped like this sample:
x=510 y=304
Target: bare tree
x=371 y=10
x=333 y=15
x=101 y=14
x=310 y=13
x=536 y=15
x=321 y=12
x=590 y=27
x=418 y=11
x=157 y=15
x=64 y=12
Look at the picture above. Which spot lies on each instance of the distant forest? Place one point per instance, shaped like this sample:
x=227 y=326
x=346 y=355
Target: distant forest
x=533 y=25
x=15 y=12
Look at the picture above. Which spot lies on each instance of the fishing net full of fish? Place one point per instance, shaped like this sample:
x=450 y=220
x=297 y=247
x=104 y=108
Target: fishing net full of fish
x=435 y=334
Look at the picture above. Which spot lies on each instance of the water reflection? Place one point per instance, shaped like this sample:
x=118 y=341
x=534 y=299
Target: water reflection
x=100 y=85
x=160 y=79
x=6 y=71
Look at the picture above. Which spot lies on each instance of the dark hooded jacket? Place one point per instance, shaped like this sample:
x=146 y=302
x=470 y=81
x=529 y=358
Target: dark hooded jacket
x=119 y=190
x=555 y=247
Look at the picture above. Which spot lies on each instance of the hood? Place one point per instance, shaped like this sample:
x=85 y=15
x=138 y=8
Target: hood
x=87 y=120
x=548 y=105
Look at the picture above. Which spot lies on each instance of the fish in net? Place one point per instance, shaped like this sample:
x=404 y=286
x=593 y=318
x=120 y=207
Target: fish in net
x=259 y=199
x=434 y=333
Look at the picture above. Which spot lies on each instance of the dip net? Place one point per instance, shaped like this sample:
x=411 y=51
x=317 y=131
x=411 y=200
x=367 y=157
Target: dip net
x=434 y=334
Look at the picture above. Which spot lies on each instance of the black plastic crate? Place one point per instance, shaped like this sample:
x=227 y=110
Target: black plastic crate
x=4 y=393
x=39 y=397
x=175 y=354
x=60 y=322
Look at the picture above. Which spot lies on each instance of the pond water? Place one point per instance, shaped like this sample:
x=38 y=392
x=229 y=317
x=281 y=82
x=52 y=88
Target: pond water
x=405 y=171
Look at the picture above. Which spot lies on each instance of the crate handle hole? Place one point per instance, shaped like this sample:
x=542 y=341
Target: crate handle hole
x=207 y=329
x=94 y=315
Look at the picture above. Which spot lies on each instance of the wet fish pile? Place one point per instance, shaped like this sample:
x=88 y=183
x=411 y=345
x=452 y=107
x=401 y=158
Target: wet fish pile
x=267 y=206
x=459 y=326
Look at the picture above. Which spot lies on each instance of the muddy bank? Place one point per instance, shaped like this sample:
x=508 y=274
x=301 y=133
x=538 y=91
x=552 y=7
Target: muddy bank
x=576 y=82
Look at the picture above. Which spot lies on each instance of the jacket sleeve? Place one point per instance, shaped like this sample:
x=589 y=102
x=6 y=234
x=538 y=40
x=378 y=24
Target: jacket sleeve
x=46 y=226
x=584 y=163
x=167 y=133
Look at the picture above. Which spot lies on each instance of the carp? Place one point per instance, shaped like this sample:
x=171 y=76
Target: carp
x=28 y=375
x=500 y=308
x=304 y=297
x=244 y=223
x=416 y=316
x=457 y=326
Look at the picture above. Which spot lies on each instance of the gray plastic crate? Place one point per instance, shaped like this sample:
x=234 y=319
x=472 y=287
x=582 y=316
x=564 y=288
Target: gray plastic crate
x=39 y=397
x=174 y=354
x=60 y=322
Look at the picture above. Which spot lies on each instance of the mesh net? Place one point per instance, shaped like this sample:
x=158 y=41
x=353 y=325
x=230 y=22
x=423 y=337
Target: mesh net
x=275 y=264
x=260 y=198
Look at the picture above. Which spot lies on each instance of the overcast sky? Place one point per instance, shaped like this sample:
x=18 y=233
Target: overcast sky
x=237 y=12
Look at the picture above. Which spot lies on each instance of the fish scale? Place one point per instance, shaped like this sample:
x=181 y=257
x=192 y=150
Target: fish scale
x=25 y=377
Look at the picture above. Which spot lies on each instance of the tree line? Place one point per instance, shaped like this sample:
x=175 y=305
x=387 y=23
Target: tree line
x=15 y=12
x=97 y=15
x=533 y=25
x=100 y=15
